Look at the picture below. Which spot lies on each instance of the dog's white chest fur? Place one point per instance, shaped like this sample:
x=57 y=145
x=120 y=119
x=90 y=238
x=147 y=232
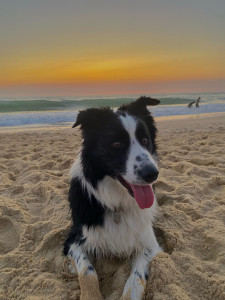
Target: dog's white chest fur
x=125 y=227
x=121 y=234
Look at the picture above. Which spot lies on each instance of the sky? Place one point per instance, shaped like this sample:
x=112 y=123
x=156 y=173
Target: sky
x=100 y=47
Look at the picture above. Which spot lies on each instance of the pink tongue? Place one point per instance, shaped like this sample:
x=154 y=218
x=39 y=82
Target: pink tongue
x=144 y=195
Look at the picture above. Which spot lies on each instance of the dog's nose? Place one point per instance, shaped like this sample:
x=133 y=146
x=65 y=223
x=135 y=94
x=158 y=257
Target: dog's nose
x=149 y=173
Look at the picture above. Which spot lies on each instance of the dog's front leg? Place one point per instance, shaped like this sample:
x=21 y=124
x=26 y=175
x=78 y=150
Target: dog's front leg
x=135 y=285
x=86 y=273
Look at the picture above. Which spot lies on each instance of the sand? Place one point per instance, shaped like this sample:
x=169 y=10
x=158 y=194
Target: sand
x=34 y=215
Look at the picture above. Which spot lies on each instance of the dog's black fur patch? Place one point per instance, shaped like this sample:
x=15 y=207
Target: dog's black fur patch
x=98 y=156
x=84 y=211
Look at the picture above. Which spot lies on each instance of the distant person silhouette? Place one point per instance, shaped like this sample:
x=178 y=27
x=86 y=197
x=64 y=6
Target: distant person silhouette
x=190 y=104
x=197 y=102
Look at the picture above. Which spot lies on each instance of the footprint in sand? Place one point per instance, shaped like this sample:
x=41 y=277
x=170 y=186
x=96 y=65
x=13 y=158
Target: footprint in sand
x=168 y=239
x=9 y=155
x=36 y=198
x=9 y=237
x=163 y=198
x=17 y=189
x=180 y=167
x=50 y=250
x=203 y=161
x=65 y=165
x=2 y=167
x=164 y=186
x=47 y=165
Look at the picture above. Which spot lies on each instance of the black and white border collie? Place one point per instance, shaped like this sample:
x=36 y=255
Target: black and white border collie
x=111 y=197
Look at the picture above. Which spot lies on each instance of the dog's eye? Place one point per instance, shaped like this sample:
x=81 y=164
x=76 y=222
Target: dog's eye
x=144 y=141
x=116 y=145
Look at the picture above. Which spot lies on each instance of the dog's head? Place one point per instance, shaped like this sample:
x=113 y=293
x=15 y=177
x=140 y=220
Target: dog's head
x=121 y=145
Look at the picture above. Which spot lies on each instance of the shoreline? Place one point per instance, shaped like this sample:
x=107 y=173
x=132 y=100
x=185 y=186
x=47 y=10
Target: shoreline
x=44 y=127
x=76 y=109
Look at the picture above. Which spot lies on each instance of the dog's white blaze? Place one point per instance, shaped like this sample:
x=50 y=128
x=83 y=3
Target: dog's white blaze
x=136 y=150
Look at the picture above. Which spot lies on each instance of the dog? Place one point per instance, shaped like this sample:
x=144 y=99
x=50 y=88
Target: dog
x=112 y=201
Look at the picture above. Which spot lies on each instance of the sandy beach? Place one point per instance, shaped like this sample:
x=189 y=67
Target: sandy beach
x=34 y=215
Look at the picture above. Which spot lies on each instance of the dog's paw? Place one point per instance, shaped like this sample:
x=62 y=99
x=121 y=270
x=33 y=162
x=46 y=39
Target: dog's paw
x=135 y=287
x=69 y=267
x=72 y=269
x=158 y=250
x=154 y=252
x=89 y=287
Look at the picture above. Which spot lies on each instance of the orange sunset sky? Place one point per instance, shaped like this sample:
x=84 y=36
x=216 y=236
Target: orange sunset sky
x=100 y=47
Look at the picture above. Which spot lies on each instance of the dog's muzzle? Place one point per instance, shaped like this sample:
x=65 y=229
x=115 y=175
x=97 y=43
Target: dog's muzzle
x=148 y=173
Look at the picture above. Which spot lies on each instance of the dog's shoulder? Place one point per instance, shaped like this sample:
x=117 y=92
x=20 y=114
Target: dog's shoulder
x=85 y=209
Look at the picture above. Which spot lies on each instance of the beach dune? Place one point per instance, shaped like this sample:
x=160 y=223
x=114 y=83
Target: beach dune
x=34 y=215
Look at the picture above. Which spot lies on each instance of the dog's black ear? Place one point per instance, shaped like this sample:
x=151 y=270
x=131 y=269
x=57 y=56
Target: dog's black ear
x=145 y=101
x=76 y=123
x=92 y=118
x=80 y=117
x=139 y=106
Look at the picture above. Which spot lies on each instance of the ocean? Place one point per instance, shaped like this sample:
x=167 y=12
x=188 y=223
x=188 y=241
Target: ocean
x=55 y=111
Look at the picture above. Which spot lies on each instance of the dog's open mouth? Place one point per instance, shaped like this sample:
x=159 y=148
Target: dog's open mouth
x=143 y=194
